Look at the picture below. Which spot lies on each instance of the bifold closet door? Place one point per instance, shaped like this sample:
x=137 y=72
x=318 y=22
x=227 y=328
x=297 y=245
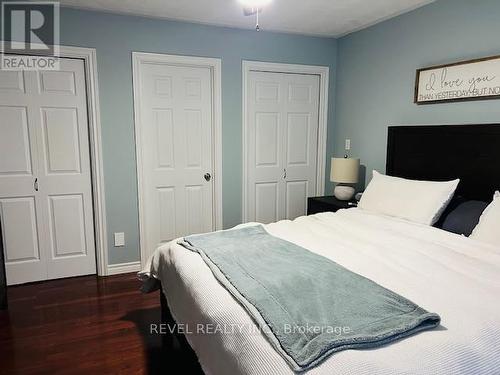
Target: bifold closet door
x=282 y=143
x=45 y=176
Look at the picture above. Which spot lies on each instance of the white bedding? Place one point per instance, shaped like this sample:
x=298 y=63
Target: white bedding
x=456 y=277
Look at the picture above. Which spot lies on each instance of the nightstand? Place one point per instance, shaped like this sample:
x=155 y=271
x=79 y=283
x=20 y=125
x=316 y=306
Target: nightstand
x=327 y=204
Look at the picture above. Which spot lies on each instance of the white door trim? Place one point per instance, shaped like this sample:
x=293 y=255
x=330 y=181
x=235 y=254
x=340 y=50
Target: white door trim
x=215 y=66
x=323 y=72
x=88 y=55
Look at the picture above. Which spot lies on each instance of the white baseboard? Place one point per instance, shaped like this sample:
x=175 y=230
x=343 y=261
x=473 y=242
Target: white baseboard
x=115 y=269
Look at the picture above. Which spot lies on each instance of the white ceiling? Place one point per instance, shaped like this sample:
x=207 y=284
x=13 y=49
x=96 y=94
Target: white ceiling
x=331 y=18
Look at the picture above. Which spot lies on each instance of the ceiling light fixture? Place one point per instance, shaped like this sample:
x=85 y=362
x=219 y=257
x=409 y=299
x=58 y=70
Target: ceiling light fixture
x=251 y=7
x=254 y=3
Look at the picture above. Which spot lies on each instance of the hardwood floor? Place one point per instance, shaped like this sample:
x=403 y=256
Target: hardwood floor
x=83 y=325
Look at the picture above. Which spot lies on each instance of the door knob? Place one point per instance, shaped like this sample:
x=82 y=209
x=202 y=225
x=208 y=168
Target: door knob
x=207 y=176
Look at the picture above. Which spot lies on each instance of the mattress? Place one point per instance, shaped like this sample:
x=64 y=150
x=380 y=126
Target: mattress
x=454 y=276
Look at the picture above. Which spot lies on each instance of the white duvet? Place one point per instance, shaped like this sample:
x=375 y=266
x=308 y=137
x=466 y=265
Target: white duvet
x=454 y=276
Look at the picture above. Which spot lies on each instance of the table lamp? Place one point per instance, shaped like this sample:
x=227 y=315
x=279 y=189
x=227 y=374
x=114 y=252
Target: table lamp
x=344 y=171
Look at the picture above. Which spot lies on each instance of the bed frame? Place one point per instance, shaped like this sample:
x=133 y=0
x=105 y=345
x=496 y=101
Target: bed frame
x=175 y=346
x=436 y=153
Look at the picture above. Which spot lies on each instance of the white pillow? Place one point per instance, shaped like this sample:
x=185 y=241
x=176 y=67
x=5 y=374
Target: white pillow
x=417 y=201
x=488 y=229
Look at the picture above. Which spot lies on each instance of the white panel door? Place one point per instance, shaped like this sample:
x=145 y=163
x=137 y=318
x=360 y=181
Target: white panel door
x=45 y=178
x=282 y=139
x=176 y=151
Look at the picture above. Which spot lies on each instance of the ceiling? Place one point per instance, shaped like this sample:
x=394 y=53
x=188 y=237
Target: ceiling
x=330 y=18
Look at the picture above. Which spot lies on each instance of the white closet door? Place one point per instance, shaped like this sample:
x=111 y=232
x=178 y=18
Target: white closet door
x=265 y=169
x=20 y=206
x=45 y=177
x=301 y=121
x=176 y=151
x=282 y=112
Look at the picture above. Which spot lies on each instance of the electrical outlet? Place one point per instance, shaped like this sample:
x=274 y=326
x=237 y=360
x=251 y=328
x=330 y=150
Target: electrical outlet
x=119 y=239
x=347 y=144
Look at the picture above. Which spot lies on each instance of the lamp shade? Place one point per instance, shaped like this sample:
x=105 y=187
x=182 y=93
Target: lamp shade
x=344 y=170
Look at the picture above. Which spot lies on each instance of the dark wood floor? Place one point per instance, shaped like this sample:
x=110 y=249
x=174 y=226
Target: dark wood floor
x=82 y=325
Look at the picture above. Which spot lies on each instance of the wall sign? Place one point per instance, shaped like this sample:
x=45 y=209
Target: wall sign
x=468 y=80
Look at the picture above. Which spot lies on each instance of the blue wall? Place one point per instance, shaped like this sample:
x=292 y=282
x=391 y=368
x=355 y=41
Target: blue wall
x=115 y=37
x=371 y=88
x=376 y=73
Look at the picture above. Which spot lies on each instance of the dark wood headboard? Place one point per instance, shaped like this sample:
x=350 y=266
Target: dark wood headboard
x=447 y=152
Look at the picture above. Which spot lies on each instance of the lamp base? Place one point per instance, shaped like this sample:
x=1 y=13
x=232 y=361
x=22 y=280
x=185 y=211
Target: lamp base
x=343 y=193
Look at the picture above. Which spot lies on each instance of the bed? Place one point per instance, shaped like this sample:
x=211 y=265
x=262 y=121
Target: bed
x=455 y=276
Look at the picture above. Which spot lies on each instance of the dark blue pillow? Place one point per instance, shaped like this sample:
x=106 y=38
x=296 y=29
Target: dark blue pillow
x=464 y=218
